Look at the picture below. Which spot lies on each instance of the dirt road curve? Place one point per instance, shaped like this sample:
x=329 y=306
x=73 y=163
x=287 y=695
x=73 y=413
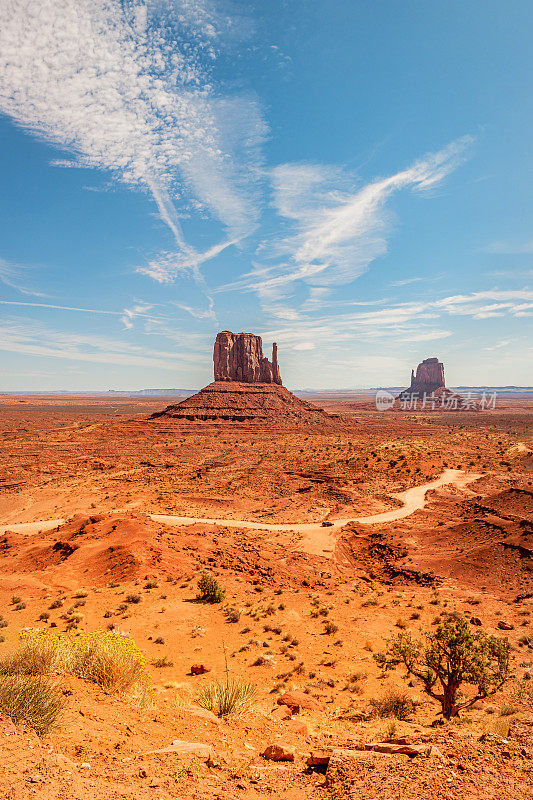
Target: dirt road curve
x=315 y=539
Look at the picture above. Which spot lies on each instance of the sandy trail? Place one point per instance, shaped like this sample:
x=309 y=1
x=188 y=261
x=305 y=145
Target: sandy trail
x=316 y=539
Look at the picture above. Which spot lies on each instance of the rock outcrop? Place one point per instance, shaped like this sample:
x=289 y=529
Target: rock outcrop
x=239 y=357
x=428 y=387
x=247 y=388
x=429 y=377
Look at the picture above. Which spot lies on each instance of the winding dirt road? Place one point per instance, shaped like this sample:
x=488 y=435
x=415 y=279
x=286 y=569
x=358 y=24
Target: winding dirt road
x=316 y=540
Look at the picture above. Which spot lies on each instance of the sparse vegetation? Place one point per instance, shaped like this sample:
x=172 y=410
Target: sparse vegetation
x=395 y=704
x=228 y=696
x=451 y=657
x=31 y=700
x=111 y=660
x=209 y=590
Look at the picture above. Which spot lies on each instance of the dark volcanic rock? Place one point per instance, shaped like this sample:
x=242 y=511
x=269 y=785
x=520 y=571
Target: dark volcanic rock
x=239 y=357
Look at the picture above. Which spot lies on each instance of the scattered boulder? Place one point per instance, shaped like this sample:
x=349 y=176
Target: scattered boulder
x=297 y=701
x=505 y=626
x=278 y=752
x=200 y=669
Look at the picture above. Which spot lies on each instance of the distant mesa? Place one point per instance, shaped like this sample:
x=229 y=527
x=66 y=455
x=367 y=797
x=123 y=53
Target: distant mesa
x=247 y=388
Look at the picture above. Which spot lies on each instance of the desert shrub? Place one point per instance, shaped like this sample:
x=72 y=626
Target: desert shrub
x=451 y=656
x=133 y=598
x=209 y=589
x=31 y=700
x=15 y=600
x=81 y=594
x=395 y=704
x=232 y=614
x=401 y=623
x=151 y=585
x=3 y=622
x=111 y=660
x=524 y=693
x=164 y=661
x=159 y=640
x=228 y=696
x=20 y=606
x=39 y=653
x=371 y=601
x=44 y=616
x=56 y=604
x=499 y=726
x=330 y=627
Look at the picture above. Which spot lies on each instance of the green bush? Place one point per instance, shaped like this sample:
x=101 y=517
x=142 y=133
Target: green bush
x=209 y=589
x=31 y=700
x=451 y=656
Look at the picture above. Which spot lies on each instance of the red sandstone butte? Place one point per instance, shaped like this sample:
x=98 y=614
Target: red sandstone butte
x=239 y=357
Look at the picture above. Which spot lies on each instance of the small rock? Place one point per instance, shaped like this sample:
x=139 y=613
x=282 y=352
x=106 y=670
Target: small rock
x=187 y=749
x=200 y=669
x=319 y=758
x=278 y=752
x=296 y=726
x=202 y=713
x=298 y=700
x=505 y=626
x=475 y=621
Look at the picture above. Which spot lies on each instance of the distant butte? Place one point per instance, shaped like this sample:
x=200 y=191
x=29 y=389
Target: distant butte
x=429 y=377
x=247 y=388
x=428 y=382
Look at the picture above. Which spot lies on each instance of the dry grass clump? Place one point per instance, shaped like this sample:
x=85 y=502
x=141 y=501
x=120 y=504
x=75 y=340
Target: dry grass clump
x=163 y=661
x=395 y=704
x=31 y=700
x=228 y=696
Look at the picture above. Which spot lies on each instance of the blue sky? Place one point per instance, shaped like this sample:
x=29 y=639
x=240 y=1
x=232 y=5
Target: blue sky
x=350 y=178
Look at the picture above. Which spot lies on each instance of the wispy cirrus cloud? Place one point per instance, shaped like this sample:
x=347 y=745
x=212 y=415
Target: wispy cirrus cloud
x=16 y=277
x=421 y=321
x=126 y=87
x=336 y=228
x=30 y=338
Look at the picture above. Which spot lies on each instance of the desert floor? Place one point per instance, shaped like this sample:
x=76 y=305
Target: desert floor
x=118 y=505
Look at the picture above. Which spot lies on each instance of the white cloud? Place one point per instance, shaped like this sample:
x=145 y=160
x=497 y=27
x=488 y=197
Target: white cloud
x=29 y=338
x=510 y=249
x=16 y=277
x=60 y=308
x=126 y=88
x=129 y=314
x=337 y=229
